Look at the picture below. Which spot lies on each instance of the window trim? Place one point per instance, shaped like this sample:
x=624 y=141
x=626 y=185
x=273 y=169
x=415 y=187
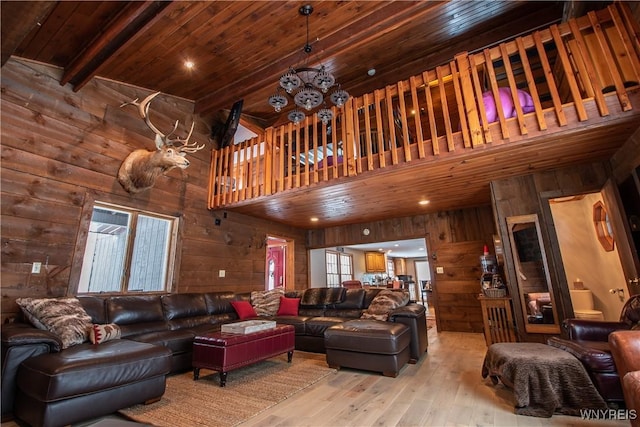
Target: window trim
x=326 y=273
x=84 y=223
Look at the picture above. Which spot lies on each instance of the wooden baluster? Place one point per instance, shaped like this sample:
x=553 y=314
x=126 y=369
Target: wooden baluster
x=348 y=138
x=233 y=164
x=315 y=149
x=296 y=157
x=493 y=82
x=416 y=116
x=591 y=80
x=211 y=202
x=623 y=97
x=460 y=100
x=367 y=132
x=551 y=83
x=404 y=122
x=392 y=126
x=225 y=176
x=467 y=93
x=445 y=109
x=514 y=89
x=629 y=54
x=356 y=138
x=430 y=113
x=377 y=95
x=484 y=122
x=289 y=156
x=531 y=84
x=568 y=72
x=306 y=146
x=281 y=157
x=334 y=144
x=325 y=168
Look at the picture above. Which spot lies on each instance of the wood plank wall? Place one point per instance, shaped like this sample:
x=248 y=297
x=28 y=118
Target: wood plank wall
x=454 y=242
x=61 y=150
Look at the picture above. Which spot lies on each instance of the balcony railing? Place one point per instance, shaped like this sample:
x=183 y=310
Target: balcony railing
x=455 y=108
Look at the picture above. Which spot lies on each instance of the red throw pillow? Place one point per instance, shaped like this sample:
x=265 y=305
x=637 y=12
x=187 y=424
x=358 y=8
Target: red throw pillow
x=288 y=306
x=244 y=309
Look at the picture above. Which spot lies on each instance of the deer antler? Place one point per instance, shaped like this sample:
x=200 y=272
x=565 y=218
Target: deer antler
x=161 y=138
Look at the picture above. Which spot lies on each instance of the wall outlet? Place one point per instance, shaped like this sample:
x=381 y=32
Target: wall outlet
x=222 y=273
x=440 y=270
x=35 y=267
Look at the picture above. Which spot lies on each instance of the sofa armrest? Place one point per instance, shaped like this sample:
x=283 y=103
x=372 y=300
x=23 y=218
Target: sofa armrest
x=591 y=330
x=414 y=316
x=19 y=343
x=411 y=310
x=21 y=334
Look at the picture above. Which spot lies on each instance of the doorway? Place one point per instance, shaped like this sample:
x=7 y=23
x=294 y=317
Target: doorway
x=279 y=263
x=588 y=264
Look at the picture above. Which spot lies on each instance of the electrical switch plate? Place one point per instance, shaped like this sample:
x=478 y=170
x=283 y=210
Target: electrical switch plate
x=221 y=273
x=440 y=270
x=35 y=268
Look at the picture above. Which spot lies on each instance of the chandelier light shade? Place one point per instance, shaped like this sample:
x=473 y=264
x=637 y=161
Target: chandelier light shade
x=308 y=86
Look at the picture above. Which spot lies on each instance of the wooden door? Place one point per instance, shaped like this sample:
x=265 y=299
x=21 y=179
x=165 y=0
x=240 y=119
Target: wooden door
x=456 y=289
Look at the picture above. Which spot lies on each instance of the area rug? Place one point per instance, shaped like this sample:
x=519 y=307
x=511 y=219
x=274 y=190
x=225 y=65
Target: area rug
x=249 y=391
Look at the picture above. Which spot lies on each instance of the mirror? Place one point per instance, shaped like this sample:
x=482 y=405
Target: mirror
x=532 y=275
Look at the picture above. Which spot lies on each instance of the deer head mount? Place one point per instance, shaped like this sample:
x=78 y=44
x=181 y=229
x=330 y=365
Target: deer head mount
x=140 y=169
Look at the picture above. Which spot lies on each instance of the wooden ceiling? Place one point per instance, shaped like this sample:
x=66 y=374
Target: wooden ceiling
x=240 y=49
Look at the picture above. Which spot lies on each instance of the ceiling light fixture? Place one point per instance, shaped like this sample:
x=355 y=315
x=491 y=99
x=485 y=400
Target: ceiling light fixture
x=423 y=202
x=306 y=85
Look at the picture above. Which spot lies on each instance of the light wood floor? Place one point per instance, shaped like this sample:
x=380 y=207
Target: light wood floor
x=445 y=388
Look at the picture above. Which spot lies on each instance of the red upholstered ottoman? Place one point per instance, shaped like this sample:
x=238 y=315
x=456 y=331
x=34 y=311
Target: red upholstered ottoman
x=224 y=352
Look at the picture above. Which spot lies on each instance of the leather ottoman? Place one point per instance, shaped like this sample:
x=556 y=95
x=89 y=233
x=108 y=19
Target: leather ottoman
x=370 y=345
x=224 y=352
x=86 y=381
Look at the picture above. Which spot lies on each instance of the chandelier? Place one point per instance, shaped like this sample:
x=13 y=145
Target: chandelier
x=308 y=86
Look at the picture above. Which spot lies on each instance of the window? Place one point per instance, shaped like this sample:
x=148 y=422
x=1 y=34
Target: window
x=128 y=251
x=339 y=268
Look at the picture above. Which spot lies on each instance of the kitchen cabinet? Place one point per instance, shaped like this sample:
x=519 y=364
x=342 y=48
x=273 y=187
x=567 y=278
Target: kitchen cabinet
x=375 y=262
x=400 y=266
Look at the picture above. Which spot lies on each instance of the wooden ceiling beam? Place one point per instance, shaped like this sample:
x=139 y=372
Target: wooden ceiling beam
x=129 y=24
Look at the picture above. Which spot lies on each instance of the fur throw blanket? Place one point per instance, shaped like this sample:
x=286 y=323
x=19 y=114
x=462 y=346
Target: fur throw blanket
x=545 y=380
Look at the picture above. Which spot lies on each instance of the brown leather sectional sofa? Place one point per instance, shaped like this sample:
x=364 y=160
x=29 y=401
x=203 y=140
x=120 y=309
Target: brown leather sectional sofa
x=43 y=385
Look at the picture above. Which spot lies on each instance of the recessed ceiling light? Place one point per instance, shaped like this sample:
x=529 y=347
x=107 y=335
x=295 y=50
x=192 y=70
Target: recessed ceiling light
x=371 y=72
x=189 y=64
x=396 y=245
x=421 y=249
x=423 y=202
x=314 y=219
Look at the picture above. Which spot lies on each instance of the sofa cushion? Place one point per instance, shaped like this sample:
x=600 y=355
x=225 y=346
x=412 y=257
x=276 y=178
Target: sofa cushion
x=64 y=317
x=384 y=303
x=244 y=309
x=321 y=297
x=288 y=306
x=86 y=368
x=266 y=303
x=103 y=333
x=177 y=306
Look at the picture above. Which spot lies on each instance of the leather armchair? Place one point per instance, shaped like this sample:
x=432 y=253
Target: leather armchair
x=588 y=340
x=625 y=347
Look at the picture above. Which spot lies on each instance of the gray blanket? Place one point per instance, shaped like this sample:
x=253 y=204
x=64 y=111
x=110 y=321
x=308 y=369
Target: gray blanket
x=545 y=380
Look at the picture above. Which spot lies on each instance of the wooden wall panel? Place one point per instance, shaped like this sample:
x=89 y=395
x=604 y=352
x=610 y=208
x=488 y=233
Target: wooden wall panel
x=61 y=151
x=454 y=241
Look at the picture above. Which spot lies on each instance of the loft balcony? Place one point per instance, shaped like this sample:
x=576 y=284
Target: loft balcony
x=563 y=95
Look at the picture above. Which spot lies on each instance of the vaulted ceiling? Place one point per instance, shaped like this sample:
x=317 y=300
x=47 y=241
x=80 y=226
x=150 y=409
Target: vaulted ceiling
x=241 y=48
